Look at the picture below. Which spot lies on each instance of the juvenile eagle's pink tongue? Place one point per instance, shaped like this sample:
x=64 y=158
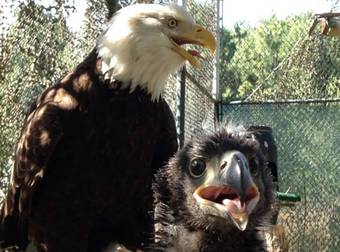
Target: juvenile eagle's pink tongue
x=227 y=197
x=237 y=212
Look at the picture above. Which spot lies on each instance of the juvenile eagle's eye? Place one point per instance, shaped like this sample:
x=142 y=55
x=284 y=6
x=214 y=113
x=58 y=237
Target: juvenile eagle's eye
x=172 y=23
x=197 y=168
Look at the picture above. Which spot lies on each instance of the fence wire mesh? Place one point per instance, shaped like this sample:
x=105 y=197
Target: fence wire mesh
x=199 y=100
x=288 y=79
x=307 y=137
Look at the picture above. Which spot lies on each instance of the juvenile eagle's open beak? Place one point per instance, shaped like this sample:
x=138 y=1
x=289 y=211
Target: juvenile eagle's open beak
x=196 y=35
x=233 y=192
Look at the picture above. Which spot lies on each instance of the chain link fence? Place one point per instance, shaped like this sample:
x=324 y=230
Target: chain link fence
x=276 y=74
x=307 y=136
x=199 y=100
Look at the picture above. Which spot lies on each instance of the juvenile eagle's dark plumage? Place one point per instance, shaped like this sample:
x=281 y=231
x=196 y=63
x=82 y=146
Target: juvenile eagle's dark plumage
x=92 y=142
x=184 y=224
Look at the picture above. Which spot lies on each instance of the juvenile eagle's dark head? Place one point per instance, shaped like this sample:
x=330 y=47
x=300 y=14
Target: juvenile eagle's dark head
x=142 y=45
x=218 y=182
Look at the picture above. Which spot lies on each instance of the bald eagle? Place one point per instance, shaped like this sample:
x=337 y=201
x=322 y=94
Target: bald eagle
x=92 y=142
x=214 y=195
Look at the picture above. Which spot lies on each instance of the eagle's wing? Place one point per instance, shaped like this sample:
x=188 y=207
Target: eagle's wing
x=167 y=140
x=41 y=133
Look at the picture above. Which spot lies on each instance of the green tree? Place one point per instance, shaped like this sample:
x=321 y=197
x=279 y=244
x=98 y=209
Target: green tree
x=230 y=40
x=277 y=60
x=96 y=15
x=258 y=51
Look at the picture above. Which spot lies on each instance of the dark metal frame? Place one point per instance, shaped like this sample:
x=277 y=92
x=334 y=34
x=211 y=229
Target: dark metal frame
x=180 y=105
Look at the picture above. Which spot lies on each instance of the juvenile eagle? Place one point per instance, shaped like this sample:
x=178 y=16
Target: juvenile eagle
x=92 y=142
x=214 y=195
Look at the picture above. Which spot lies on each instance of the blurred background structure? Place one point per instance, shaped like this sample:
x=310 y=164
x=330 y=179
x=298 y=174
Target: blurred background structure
x=271 y=68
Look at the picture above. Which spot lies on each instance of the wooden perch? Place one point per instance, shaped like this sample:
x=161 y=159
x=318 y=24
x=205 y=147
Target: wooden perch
x=329 y=24
x=327 y=15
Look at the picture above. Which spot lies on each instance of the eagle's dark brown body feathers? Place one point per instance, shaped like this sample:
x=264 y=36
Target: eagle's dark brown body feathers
x=83 y=142
x=92 y=143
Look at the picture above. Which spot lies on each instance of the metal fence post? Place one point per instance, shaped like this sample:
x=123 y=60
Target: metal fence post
x=180 y=98
x=180 y=105
x=219 y=24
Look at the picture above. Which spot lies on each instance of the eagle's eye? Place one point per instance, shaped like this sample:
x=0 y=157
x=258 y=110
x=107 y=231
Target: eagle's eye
x=172 y=23
x=197 y=168
x=254 y=166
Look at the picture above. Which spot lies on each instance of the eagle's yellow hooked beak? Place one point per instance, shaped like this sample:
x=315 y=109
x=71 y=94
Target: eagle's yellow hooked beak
x=193 y=34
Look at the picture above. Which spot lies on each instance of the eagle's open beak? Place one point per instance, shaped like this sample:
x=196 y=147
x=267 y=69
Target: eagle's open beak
x=196 y=35
x=235 y=193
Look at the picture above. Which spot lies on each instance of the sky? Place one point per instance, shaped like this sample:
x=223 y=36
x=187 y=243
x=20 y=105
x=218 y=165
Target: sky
x=251 y=11
x=247 y=11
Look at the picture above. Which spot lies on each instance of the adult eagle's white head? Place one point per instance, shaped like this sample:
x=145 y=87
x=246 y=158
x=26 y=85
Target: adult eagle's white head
x=142 y=45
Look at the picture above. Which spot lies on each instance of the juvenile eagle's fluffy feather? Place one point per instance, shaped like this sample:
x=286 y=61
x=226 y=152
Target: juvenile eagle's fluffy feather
x=182 y=223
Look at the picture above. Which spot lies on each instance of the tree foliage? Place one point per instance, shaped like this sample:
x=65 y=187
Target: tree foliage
x=277 y=60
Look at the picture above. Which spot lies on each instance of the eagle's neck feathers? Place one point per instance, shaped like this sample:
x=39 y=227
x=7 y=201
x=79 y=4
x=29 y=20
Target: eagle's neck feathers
x=149 y=71
x=137 y=56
